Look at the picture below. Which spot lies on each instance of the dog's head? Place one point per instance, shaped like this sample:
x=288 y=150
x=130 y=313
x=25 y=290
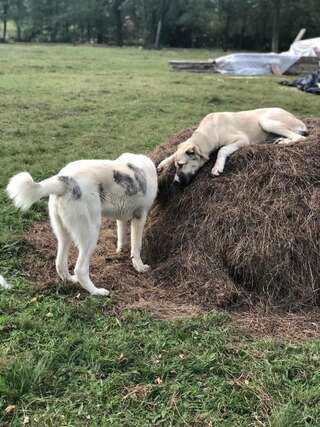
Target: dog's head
x=188 y=160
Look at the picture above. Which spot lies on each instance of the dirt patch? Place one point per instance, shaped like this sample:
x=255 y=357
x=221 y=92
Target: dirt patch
x=248 y=238
x=108 y=269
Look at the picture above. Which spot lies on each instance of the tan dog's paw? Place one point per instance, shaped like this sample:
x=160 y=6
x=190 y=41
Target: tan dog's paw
x=283 y=141
x=161 y=166
x=215 y=171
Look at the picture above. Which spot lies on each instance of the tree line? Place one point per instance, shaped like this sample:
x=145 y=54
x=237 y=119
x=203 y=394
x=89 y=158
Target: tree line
x=227 y=24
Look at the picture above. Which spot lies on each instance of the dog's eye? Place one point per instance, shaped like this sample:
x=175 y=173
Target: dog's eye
x=190 y=152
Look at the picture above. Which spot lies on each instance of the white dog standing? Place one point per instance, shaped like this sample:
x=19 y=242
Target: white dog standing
x=83 y=191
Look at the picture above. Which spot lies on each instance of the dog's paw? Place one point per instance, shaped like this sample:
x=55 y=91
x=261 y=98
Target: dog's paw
x=143 y=268
x=161 y=166
x=73 y=279
x=65 y=276
x=215 y=171
x=139 y=266
x=100 y=291
x=283 y=141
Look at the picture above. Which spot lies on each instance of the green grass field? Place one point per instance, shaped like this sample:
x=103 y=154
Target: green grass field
x=66 y=364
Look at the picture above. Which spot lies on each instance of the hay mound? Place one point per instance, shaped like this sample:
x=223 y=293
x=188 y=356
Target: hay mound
x=250 y=236
x=253 y=234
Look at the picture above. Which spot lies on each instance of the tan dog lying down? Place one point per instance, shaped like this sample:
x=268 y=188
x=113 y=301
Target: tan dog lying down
x=227 y=132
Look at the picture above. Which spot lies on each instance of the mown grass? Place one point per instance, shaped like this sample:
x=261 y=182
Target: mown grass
x=75 y=364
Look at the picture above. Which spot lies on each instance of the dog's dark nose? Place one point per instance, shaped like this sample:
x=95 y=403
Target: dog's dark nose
x=184 y=180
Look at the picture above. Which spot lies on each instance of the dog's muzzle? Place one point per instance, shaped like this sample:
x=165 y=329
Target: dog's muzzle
x=182 y=179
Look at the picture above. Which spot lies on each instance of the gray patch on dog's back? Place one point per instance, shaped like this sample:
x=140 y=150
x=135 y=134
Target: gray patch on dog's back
x=126 y=182
x=140 y=177
x=72 y=185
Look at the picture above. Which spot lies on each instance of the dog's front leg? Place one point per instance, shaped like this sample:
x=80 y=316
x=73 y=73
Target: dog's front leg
x=224 y=153
x=137 y=226
x=166 y=163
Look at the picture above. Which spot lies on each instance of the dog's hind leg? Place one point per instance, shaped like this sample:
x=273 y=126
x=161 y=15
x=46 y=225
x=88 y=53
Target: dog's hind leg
x=137 y=226
x=87 y=241
x=64 y=241
x=122 y=235
x=82 y=219
x=277 y=127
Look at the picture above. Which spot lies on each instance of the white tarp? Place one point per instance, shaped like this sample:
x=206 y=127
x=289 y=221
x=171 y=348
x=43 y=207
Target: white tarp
x=308 y=47
x=251 y=64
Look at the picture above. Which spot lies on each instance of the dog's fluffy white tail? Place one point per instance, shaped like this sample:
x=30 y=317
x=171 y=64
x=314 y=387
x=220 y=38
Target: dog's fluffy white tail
x=4 y=284
x=24 y=191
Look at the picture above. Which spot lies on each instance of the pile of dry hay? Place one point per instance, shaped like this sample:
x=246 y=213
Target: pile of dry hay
x=254 y=232
x=252 y=235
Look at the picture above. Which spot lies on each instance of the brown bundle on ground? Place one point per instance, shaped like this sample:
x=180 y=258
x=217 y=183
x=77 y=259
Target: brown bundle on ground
x=253 y=234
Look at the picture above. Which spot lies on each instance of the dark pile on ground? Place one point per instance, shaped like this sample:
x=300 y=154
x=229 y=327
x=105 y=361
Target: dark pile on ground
x=250 y=237
x=253 y=234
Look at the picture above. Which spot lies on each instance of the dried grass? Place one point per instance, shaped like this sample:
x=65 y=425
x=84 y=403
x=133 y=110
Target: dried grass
x=252 y=234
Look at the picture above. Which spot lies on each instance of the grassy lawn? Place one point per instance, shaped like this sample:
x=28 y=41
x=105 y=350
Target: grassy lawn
x=66 y=364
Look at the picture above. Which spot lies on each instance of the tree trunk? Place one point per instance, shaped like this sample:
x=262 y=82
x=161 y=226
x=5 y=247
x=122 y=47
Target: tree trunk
x=88 y=32
x=100 y=38
x=243 y=31
x=275 y=25
x=19 y=20
x=158 y=34
x=162 y=15
x=5 y=17
x=225 y=45
x=146 y=33
x=118 y=20
x=18 y=31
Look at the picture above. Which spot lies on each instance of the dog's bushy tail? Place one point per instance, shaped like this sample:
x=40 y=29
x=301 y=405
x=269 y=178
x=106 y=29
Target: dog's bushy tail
x=4 y=284
x=25 y=192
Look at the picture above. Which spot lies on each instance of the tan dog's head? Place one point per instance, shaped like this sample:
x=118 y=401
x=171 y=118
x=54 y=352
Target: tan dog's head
x=188 y=160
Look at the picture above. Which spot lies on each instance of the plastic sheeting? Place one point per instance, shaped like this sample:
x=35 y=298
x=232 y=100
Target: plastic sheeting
x=251 y=64
x=308 y=47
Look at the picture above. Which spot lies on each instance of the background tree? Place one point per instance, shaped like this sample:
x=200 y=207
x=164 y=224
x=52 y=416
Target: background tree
x=5 y=10
x=260 y=25
x=276 y=7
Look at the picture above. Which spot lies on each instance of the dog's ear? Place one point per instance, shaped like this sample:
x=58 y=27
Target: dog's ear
x=197 y=150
